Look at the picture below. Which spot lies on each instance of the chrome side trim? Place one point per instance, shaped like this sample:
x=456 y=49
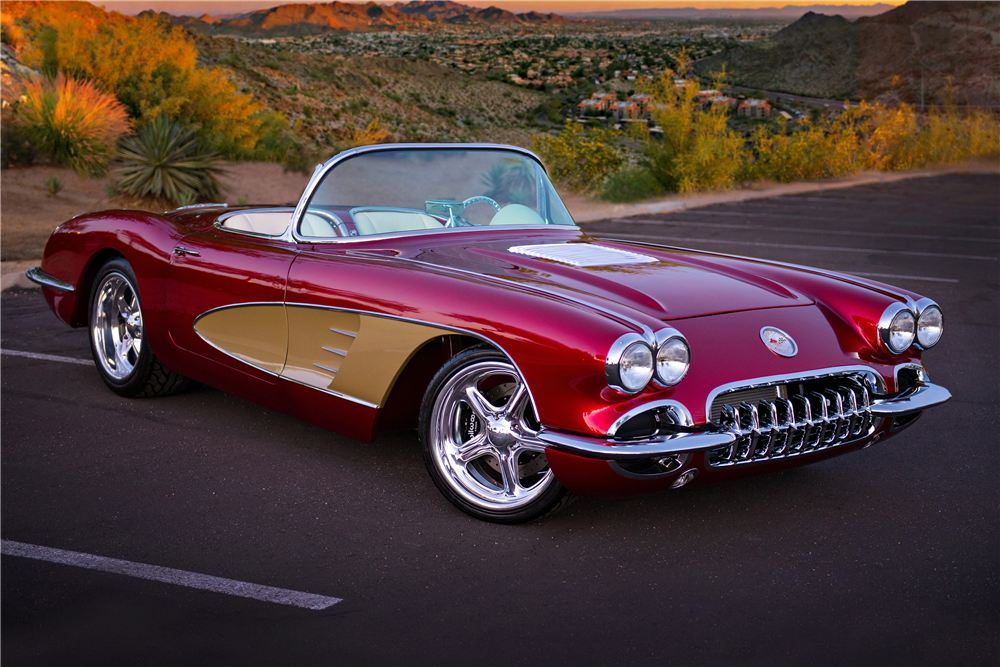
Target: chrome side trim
x=190 y=206
x=325 y=368
x=782 y=379
x=39 y=277
x=676 y=407
x=344 y=333
x=335 y=394
x=227 y=352
x=341 y=353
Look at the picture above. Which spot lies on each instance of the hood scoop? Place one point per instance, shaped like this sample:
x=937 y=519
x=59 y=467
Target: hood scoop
x=582 y=254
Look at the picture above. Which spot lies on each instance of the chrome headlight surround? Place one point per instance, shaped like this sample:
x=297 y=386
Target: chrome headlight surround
x=927 y=307
x=896 y=313
x=671 y=337
x=626 y=346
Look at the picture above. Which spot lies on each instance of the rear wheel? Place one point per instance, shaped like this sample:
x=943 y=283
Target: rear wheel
x=478 y=432
x=117 y=340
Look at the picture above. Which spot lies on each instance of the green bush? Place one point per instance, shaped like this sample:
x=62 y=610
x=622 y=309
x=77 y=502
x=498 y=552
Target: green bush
x=165 y=162
x=581 y=159
x=53 y=185
x=631 y=184
x=71 y=122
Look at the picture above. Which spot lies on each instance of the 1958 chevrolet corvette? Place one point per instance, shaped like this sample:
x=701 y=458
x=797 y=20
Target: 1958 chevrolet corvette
x=447 y=287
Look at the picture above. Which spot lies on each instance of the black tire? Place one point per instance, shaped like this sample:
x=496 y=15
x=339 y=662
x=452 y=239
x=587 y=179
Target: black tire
x=482 y=486
x=140 y=375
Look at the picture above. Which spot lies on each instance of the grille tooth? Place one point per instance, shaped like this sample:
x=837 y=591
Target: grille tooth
x=786 y=427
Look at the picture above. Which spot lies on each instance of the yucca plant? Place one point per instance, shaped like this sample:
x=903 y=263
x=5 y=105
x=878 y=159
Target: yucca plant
x=165 y=161
x=73 y=122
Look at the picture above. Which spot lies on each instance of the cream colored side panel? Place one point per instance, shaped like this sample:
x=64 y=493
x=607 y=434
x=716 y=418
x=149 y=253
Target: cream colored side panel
x=255 y=334
x=371 y=360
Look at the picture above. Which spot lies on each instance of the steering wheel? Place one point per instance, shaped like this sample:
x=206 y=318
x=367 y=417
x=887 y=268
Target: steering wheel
x=481 y=199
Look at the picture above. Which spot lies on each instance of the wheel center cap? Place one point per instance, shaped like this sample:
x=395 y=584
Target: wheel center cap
x=500 y=433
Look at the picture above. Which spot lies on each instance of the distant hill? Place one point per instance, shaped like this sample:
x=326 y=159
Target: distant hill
x=830 y=57
x=314 y=19
x=787 y=12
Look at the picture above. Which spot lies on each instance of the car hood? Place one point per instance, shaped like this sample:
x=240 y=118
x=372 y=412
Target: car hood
x=663 y=283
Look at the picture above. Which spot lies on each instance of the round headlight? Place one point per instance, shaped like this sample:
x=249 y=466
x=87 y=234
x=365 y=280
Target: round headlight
x=897 y=328
x=930 y=326
x=636 y=366
x=672 y=361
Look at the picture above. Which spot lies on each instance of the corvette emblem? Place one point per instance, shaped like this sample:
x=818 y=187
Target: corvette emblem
x=779 y=342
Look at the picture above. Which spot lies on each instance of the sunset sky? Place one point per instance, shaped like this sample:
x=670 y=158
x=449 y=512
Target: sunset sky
x=559 y=6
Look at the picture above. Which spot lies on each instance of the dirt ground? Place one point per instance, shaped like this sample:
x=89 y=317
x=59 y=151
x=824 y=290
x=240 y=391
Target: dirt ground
x=28 y=214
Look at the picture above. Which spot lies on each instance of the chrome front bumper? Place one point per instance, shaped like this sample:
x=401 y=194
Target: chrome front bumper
x=39 y=277
x=915 y=399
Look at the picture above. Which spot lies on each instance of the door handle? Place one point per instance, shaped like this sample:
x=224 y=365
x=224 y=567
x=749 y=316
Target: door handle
x=181 y=250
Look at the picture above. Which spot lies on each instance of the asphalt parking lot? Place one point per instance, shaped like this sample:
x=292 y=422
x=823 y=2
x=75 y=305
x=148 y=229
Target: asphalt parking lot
x=888 y=556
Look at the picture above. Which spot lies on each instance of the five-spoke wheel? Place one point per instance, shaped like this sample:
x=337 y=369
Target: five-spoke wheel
x=479 y=436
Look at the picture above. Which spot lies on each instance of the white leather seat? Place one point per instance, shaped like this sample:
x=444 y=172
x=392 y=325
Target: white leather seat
x=269 y=223
x=316 y=226
x=516 y=214
x=384 y=222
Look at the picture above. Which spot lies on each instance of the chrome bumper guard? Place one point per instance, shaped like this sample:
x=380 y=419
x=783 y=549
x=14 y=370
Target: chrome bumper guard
x=915 y=399
x=39 y=277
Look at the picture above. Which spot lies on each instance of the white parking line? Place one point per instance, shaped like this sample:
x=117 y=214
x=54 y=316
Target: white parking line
x=47 y=357
x=802 y=230
x=893 y=275
x=170 y=576
x=794 y=246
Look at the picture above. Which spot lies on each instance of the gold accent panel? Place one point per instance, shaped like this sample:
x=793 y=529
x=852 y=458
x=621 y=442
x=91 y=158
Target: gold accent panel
x=256 y=334
x=373 y=360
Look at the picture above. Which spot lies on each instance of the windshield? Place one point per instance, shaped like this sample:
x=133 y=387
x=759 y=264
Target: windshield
x=415 y=190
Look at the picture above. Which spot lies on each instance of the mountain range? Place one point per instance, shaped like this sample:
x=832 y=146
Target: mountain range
x=914 y=52
x=786 y=12
x=319 y=18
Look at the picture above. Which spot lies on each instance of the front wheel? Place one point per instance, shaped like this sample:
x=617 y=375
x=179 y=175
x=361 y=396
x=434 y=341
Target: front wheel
x=478 y=432
x=117 y=337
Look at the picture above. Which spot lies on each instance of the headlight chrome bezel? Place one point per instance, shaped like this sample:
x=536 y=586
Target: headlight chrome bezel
x=664 y=336
x=612 y=364
x=889 y=316
x=922 y=306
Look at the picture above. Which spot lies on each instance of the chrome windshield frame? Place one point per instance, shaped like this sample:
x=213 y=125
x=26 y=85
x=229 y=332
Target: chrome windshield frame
x=321 y=170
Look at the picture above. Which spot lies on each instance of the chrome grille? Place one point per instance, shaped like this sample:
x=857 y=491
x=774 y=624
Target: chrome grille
x=751 y=395
x=811 y=421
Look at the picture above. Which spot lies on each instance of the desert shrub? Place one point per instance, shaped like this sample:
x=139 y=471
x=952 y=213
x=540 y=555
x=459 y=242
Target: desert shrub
x=71 y=122
x=53 y=185
x=697 y=151
x=164 y=161
x=373 y=133
x=631 y=184
x=582 y=159
x=148 y=64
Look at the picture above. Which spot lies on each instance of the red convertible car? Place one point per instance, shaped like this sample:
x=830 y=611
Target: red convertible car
x=446 y=287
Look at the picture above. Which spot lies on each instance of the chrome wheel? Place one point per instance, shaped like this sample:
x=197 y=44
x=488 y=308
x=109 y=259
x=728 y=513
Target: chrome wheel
x=116 y=326
x=483 y=438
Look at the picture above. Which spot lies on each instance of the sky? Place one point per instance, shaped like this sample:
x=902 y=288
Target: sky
x=216 y=7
